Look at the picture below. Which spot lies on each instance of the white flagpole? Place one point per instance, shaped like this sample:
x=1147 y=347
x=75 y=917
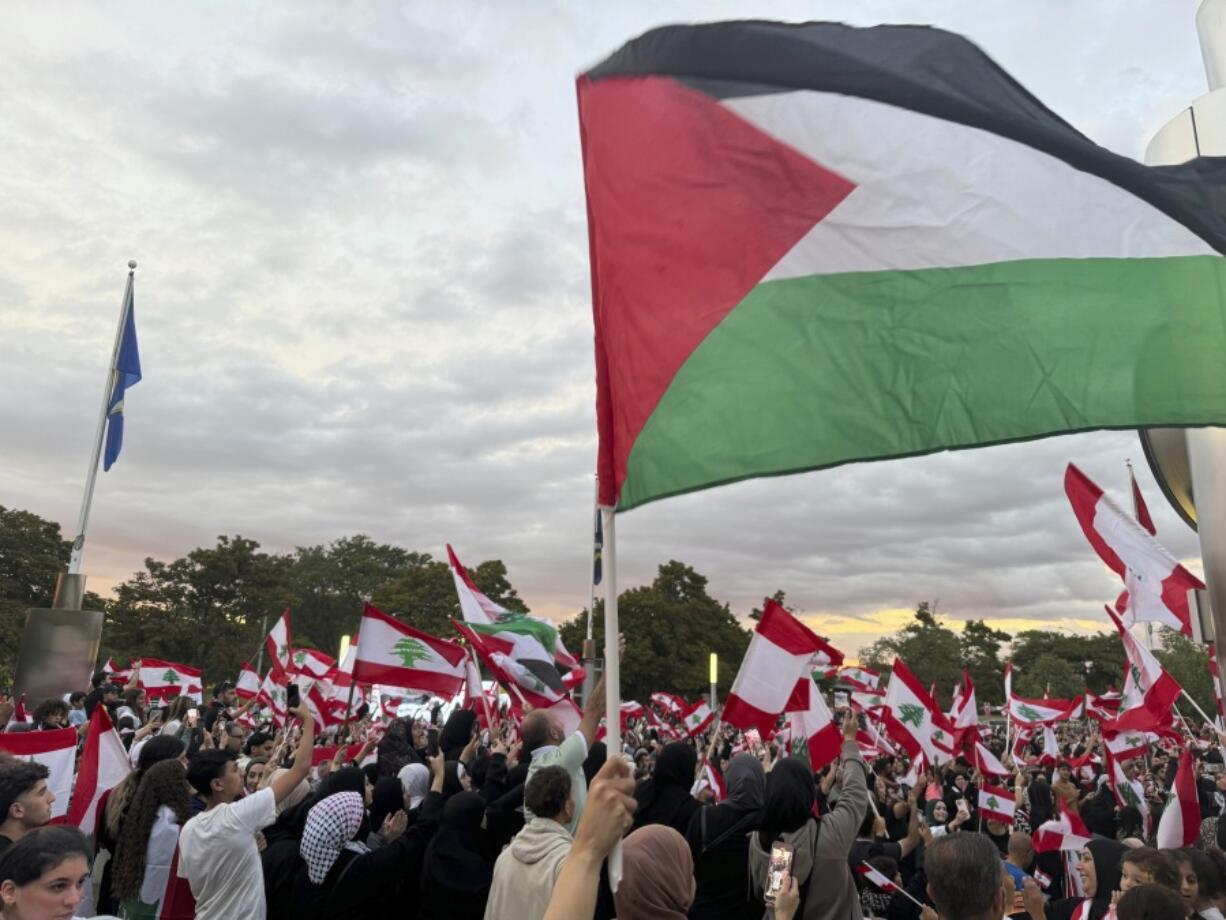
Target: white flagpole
x=91 y=475
x=1132 y=495
x=612 y=664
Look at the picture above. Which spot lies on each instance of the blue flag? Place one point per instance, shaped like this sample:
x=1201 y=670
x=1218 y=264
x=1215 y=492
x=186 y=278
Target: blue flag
x=598 y=551
x=127 y=373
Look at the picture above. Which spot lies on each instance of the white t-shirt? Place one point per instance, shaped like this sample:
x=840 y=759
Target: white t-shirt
x=219 y=859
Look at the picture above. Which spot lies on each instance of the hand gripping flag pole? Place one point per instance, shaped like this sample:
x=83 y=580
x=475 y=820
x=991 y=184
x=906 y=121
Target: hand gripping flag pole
x=112 y=378
x=612 y=665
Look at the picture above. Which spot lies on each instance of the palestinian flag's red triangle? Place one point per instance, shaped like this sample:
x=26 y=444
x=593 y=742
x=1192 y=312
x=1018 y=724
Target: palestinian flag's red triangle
x=689 y=206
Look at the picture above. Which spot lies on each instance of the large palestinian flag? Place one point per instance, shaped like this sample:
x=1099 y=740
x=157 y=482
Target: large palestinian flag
x=813 y=244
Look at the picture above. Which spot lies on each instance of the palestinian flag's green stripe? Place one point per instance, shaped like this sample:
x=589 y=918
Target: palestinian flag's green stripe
x=978 y=354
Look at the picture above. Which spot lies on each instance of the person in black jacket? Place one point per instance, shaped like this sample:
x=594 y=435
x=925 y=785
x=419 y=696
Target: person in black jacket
x=718 y=836
x=664 y=798
x=339 y=876
x=456 y=878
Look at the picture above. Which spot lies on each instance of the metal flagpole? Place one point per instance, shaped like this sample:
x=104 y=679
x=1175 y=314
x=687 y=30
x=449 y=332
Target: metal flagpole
x=589 y=644
x=259 y=655
x=91 y=476
x=612 y=667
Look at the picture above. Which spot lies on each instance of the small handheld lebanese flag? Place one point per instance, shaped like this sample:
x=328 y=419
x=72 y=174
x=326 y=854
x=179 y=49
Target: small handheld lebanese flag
x=670 y=702
x=860 y=678
x=1157 y=585
x=56 y=750
x=778 y=656
x=1066 y=832
x=995 y=802
x=396 y=654
x=986 y=763
x=272 y=692
x=1041 y=877
x=279 y=643
x=311 y=662
x=697 y=718
x=912 y=718
x=248 y=685
x=164 y=679
x=1180 y=822
x=877 y=878
x=709 y=778
x=104 y=765
x=1149 y=689
x=814 y=733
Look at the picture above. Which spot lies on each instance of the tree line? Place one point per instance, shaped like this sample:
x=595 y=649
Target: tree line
x=210 y=609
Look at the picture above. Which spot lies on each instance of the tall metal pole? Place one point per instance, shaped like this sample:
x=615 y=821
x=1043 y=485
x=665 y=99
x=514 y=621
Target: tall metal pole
x=1181 y=139
x=91 y=475
x=589 y=644
x=612 y=666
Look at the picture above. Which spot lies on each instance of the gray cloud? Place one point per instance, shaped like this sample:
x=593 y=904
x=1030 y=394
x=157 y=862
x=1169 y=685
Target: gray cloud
x=363 y=303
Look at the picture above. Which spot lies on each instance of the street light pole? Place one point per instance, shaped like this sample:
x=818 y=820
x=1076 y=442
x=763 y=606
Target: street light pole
x=714 y=675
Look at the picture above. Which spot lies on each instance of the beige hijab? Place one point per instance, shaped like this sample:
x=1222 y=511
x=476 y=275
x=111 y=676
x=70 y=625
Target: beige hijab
x=658 y=875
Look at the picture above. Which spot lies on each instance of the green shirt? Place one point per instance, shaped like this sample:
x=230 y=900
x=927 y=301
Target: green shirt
x=569 y=755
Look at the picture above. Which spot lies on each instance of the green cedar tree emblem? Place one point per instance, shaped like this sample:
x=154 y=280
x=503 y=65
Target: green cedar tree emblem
x=299 y=658
x=993 y=804
x=170 y=676
x=411 y=651
x=283 y=652
x=911 y=714
x=1029 y=714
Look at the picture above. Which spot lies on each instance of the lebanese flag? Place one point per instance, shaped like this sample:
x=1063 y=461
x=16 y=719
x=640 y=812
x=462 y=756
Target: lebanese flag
x=629 y=710
x=248 y=685
x=827 y=657
x=321 y=707
x=396 y=654
x=861 y=678
x=912 y=718
x=1041 y=877
x=389 y=705
x=1065 y=832
x=56 y=750
x=779 y=654
x=279 y=643
x=1138 y=502
x=1050 y=755
x=1149 y=691
x=986 y=763
x=1157 y=585
x=311 y=662
x=1106 y=706
x=474 y=694
x=20 y=715
x=1179 y=825
x=699 y=716
x=166 y=679
x=1125 y=745
x=1216 y=673
x=877 y=877
x=272 y=693
x=1127 y=791
x=669 y=702
x=995 y=802
x=965 y=714
x=104 y=765
x=813 y=733
x=1032 y=712
x=709 y=778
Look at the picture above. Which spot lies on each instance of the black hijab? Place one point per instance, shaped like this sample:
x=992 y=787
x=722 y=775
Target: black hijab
x=1107 y=854
x=387 y=799
x=453 y=859
x=597 y=754
x=451 y=779
x=790 y=794
x=665 y=797
x=457 y=733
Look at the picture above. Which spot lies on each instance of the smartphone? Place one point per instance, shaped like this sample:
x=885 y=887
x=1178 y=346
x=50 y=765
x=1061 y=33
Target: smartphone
x=432 y=742
x=961 y=804
x=192 y=716
x=156 y=715
x=780 y=869
x=293 y=698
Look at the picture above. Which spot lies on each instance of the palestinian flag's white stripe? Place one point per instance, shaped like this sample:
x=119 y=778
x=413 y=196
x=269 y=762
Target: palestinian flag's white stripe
x=931 y=193
x=56 y=750
x=396 y=654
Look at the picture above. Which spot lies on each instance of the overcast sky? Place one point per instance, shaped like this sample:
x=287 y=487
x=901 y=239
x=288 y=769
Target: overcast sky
x=363 y=302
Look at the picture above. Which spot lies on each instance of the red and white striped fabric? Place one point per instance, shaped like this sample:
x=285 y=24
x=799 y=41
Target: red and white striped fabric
x=779 y=654
x=1156 y=585
x=311 y=662
x=858 y=677
x=248 y=685
x=1126 y=745
x=1149 y=690
x=699 y=716
x=1179 y=825
x=996 y=802
x=812 y=729
x=165 y=679
x=104 y=765
x=1041 y=877
x=1065 y=832
x=1127 y=791
x=670 y=702
x=1032 y=712
x=397 y=655
x=57 y=751
x=709 y=778
x=877 y=878
x=912 y=718
x=279 y=643
x=1050 y=755
x=272 y=694
x=986 y=762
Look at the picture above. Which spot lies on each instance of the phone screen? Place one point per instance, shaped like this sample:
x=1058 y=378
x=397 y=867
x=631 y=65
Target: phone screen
x=961 y=803
x=432 y=742
x=192 y=716
x=292 y=697
x=780 y=869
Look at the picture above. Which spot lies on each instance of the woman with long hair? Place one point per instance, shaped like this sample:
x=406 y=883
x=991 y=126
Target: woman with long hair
x=176 y=715
x=113 y=809
x=149 y=846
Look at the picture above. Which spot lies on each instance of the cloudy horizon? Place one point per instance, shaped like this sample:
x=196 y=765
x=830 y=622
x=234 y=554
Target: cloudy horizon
x=363 y=305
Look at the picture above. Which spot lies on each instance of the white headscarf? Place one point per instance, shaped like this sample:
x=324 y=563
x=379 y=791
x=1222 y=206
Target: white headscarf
x=415 y=780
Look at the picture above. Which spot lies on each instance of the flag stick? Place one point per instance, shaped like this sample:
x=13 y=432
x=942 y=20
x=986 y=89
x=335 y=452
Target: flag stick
x=612 y=666
x=91 y=475
x=485 y=703
x=1195 y=705
x=259 y=652
x=896 y=890
x=589 y=646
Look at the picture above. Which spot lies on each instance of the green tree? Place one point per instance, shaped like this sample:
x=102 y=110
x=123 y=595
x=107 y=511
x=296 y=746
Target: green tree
x=423 y=593
x=780 y=598
x=671 y=627
x=932 y=651
x=202 y=610
x=33 y=553
x=980 y=647
x=1188 y=663
x=1103 y=651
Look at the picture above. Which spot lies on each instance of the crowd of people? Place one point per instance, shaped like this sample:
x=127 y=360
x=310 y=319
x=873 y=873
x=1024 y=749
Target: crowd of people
x=227 y=816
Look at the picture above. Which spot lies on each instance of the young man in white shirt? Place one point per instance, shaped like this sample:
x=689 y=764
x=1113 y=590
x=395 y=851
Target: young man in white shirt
x=217 y=849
